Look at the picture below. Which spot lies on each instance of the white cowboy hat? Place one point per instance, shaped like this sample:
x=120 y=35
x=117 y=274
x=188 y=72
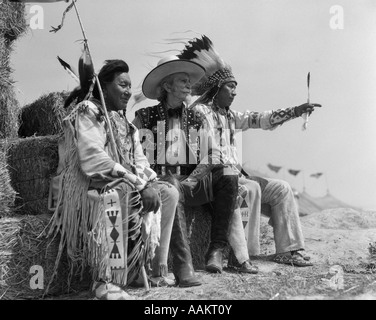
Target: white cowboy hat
x=167 y=66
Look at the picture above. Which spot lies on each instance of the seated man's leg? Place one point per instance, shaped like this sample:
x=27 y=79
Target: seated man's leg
x=169 y=200
x=225 y=191
x=236 y=237
x=284 y=217
x=238 y=257
x=254 y=207
x=181 y=253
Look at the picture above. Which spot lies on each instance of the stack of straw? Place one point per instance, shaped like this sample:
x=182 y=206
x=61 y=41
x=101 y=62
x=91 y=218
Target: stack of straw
x=26 y=166
x=27 y=259
x=44 y=116
x=7 y=193
x=12 y=26
x=32 y=161
x=199 y=226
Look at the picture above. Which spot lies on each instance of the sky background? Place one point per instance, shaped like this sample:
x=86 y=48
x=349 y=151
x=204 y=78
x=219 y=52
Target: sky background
x=271 y=46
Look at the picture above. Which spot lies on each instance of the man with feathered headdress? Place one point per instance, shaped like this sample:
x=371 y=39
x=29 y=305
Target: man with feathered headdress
x=216 y=91
x=172 y=128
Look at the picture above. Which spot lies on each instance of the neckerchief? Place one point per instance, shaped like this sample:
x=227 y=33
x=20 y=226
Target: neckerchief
x=175 y=112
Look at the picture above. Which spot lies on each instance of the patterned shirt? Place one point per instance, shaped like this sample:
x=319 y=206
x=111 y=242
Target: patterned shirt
x=217 y=133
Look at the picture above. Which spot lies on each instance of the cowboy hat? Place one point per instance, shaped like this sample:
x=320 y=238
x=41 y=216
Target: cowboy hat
x=168 y=66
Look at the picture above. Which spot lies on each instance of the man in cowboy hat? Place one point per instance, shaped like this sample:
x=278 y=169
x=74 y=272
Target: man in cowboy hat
x=173 y=126
x=217 y=91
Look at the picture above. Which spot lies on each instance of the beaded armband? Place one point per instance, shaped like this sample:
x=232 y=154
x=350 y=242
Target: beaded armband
x=282 y=115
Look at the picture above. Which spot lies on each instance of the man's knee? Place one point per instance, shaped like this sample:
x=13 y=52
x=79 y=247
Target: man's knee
x=279 y=190
x=168 y=191
x=284 y=187
x=253 y=188
x=171 y=179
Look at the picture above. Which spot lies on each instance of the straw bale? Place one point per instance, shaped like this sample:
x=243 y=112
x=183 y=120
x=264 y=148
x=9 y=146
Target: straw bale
x=12 y=25
x=7 y=193
x=12 y=20
x=32 y=161
x=44 y=116
x=9 y=110
x=199 y=226
x=9 y=106
x=5 y=69
x=23 y=245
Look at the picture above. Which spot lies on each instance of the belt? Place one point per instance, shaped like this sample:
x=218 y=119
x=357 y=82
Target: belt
x=179 y=170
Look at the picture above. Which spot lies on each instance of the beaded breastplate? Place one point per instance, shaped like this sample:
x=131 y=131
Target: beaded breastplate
x=155 y=119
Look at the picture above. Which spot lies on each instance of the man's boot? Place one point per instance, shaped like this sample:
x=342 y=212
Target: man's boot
x=225 y=190
x=181 y=253
x=214 y=259
x=159 y=277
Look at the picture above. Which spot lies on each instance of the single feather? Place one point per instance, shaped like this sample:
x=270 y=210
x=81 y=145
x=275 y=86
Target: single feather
x=69 y=69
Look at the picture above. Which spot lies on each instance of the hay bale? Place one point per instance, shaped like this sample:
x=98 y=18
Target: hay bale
x=22 y=247
x=12 y=25
x=198 y=221
x=32 y=161
x=199 y=226
x=44 y=116
x=9 y=110
x=9 y=106
x=7 y=193
x=12 y=20
x=199 y=229
x=5 y=69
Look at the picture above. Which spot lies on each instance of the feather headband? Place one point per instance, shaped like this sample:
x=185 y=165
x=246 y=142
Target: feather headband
x=218 y=72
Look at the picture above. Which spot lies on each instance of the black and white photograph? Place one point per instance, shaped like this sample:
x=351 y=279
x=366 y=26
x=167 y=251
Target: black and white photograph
x=169 y=151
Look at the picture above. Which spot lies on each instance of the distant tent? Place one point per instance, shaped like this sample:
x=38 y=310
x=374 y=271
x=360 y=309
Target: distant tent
x=293 y=172
x=316 y=175
x=274 y=168
x=308 y=204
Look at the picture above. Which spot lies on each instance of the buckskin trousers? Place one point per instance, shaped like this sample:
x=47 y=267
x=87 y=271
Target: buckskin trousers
x=278 y=198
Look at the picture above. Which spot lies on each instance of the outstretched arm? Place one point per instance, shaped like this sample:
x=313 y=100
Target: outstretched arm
x=270 y=120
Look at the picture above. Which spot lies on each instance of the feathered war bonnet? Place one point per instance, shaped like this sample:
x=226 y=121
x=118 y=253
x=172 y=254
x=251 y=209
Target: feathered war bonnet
x=218 y=72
